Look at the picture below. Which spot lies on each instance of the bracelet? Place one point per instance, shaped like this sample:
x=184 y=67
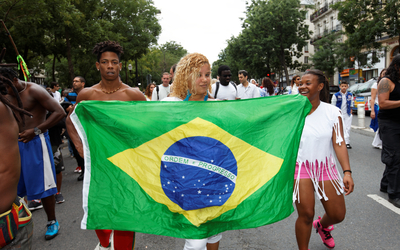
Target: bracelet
x=347 y=171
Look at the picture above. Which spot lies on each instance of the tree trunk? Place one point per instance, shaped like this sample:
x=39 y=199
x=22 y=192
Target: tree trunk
x=137 y=78
x=126 y=73
x=53 y=73
x=283 y=63
x=69 y=56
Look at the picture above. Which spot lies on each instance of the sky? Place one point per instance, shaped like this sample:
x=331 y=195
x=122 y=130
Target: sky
x=200 y=26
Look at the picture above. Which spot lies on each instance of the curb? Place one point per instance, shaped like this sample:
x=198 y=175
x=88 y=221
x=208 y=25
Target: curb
x=364 y=131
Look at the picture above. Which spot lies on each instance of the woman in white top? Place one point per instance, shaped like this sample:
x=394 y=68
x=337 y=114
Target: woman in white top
x=377 y=142
x=294 y=85
x=192 y=83
x=316 y=169
x=149 y=91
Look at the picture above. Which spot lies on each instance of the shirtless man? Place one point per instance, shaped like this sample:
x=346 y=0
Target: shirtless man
x=38 y=179
x=10 y=168
x=109 y=88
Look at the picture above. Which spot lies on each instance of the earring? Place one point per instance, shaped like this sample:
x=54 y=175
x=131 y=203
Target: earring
x=98 y=69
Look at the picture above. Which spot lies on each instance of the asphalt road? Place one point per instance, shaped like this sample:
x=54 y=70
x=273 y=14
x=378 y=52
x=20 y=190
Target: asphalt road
x=368 y=224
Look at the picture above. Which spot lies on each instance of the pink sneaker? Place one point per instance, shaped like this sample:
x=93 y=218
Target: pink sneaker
x=325 y=233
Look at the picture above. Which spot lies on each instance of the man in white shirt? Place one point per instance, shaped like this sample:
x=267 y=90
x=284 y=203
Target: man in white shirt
x=246 y=90
x=161 y=91
x=224 y=89
x=54 y=87
x=344 y=101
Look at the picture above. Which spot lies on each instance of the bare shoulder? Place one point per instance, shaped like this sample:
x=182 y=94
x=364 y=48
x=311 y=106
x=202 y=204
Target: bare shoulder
x=384 y=86
x=135 y=94
x=35 y=89
x=88 y=93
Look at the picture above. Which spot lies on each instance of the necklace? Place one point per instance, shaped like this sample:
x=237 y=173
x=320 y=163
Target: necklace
x=23 y=89
x=112 y=91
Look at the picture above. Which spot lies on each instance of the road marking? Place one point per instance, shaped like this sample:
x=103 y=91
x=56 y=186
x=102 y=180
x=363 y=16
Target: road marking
x=384 y=202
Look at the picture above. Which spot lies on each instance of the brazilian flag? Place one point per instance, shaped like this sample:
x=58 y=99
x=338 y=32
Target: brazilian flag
x=189 y=169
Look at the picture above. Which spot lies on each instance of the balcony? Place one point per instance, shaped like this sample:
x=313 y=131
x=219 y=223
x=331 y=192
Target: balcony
x=327 y=8
x=325 y=33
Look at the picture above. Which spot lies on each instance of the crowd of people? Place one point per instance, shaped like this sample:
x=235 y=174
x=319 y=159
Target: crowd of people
x=32 y=162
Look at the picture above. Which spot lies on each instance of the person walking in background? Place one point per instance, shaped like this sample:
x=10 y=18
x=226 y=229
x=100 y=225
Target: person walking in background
x=54 y=87
x=316 y=168
x=389 y=130
x=293 y=90
x=78 y=84
x=268 y=87
x=244 y=89
x=149 y=91
x=161 y=91
x=344 y=101
x=224 y=88
x=377 y=142
x=192 y=83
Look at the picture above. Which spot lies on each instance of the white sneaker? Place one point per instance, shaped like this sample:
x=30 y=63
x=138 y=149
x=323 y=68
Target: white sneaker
x=99 y=247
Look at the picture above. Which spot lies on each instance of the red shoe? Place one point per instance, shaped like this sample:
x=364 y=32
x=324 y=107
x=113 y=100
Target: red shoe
x=78 y=170
x=325 y=233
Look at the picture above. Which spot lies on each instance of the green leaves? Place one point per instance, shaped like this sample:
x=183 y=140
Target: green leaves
x=272 y=30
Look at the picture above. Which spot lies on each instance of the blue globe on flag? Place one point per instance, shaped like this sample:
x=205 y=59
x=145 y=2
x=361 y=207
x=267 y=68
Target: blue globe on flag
x=198 y=172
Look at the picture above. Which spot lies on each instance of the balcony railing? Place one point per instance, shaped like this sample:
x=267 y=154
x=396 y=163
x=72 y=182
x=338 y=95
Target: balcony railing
x=325 y=33
x=324 y=9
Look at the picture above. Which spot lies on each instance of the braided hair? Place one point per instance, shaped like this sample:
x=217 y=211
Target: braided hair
x=6 y=79
x=324 y=94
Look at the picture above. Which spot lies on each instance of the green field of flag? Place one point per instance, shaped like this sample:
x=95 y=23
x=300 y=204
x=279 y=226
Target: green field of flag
x=189 y=169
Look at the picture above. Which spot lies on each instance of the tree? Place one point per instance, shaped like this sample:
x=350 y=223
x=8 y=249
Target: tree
x=273 y=32
x=366 y=21
x=135 y=25
x=329 y=55
x=280 y=28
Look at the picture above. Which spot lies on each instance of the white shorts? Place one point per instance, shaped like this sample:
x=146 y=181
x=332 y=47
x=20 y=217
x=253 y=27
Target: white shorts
x=201 y=244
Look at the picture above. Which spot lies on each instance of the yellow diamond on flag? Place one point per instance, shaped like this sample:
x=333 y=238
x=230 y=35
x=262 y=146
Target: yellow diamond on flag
x=251 y=168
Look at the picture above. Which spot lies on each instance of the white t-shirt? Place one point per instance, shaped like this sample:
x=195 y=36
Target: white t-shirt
x=224 y=92
x=57 y=96
x=316 y=152
x=251 y=91
x=163 y=92
x=375 y=86
x=295 y=90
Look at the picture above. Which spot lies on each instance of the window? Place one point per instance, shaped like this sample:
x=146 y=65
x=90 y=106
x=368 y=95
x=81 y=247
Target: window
x=306 y=59
x=306 y=48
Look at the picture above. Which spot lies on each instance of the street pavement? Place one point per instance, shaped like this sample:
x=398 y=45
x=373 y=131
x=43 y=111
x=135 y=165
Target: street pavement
x=368 y=223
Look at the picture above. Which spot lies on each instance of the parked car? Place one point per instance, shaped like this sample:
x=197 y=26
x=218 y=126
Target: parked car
x=362 y=94
x=333 y=89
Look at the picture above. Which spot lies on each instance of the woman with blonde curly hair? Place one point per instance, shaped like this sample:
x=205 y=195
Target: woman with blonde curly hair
x=192 y=79
x=192 y=83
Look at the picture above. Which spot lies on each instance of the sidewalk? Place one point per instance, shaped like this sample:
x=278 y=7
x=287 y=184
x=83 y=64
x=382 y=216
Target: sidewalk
x=363 y=130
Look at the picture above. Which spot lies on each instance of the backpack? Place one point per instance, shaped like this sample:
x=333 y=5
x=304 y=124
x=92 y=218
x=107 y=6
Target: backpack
x=217 y=88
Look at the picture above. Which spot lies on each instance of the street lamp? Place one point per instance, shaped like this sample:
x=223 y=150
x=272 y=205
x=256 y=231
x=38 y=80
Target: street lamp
x=130 y=70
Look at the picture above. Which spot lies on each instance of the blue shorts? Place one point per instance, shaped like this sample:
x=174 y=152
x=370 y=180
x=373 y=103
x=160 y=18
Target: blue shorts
x=38 y=175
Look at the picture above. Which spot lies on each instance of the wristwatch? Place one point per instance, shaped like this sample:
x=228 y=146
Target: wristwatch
x=37 y=131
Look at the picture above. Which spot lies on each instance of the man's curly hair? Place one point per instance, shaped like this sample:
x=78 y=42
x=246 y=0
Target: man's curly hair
x=111 y=46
